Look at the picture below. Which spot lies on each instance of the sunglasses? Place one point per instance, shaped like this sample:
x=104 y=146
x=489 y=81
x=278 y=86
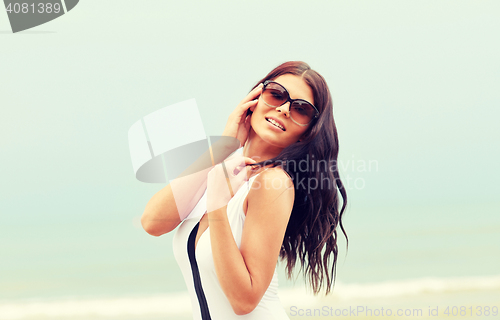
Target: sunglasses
x=275 y=95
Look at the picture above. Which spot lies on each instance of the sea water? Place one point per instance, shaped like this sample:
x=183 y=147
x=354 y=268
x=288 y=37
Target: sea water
x=113 y=269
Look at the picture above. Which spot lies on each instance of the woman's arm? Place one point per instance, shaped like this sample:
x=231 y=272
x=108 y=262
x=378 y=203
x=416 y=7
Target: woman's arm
x=162 y=213
x=245 y=273
x=167 y=208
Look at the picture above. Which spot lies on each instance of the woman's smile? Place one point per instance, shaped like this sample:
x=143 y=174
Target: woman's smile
x=275 y=123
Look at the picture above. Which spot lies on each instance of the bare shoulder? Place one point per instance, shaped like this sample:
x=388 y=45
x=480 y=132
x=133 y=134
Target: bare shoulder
x=275 y=179
x=272 y=189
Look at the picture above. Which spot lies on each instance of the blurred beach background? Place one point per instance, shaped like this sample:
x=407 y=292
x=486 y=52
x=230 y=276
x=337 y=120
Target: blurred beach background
x=416 y=103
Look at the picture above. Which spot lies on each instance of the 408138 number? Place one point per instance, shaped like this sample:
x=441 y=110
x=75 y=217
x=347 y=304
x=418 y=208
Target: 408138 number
x=470 y=311
x=31 y=8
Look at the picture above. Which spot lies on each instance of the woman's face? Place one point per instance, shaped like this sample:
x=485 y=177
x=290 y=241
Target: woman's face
x=262 y=114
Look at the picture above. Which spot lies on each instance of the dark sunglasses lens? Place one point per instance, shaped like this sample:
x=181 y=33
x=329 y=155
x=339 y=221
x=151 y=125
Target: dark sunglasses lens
x=302 y=111
x=274 y=95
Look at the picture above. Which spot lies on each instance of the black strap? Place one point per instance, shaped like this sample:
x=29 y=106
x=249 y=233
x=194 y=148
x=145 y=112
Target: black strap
x=205 y=313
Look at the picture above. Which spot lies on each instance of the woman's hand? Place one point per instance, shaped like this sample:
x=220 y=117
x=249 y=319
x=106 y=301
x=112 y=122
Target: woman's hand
x=225 y=179
x=238 y=123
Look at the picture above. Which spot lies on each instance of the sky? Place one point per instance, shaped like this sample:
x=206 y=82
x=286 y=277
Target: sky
x=414 y=84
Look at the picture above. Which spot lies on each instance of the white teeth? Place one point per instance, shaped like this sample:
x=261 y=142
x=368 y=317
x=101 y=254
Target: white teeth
x=276 y=124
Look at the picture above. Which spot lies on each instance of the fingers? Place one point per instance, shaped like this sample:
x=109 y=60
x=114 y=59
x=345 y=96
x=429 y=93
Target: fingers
x=225 y=179
x=236 y=121
x=236 y=180
x=237 y=160
x=245 y=106
x=252 y=95
x=237 y=171
x=234 y=162
x=242 y=166
x=249 y=160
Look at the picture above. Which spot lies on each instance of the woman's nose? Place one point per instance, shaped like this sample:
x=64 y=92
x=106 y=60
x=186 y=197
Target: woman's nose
x=284 y=108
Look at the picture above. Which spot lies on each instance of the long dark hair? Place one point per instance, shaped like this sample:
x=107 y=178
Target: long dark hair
x=311 y=234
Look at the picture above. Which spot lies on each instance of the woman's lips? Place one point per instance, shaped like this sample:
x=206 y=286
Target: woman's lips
x=270 y=120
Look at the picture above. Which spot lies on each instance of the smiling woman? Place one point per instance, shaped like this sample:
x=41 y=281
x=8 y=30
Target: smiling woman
x=273 y=119
x=229 y=239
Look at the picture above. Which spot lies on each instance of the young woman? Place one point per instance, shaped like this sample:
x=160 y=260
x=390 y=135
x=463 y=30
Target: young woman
x=283 y=201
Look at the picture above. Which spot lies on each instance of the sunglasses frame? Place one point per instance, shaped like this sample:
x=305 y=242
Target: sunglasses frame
x=267 y=82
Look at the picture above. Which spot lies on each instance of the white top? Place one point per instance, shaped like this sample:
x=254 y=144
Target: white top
x=269 y=308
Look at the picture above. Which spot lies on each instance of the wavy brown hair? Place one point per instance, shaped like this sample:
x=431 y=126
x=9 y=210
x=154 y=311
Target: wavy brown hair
x=311 y=234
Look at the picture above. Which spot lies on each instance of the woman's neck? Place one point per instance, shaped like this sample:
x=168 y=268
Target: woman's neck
x=259 y=150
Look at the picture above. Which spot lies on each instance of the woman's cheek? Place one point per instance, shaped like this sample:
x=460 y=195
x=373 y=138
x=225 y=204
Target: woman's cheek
x=256 y=115
x=252 y=121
